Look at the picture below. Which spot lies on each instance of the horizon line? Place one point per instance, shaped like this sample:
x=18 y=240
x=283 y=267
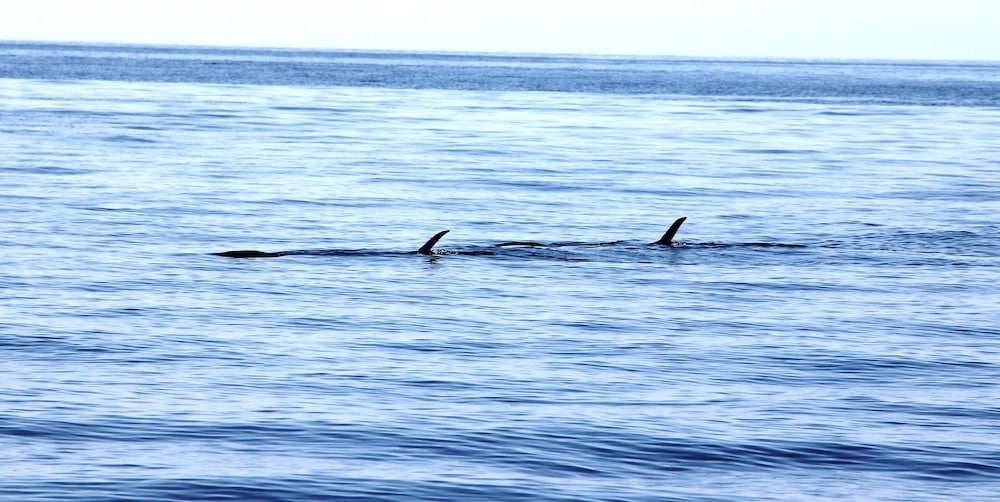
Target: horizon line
x=497 y=53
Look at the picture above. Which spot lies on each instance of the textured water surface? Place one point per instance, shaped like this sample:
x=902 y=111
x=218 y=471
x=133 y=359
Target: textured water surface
x=824 y=326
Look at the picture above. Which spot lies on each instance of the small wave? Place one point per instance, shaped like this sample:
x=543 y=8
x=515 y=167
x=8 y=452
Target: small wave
x=747 y=109
x=373 y=488
x=779 y=151
x=47 y=170
x=124 y=138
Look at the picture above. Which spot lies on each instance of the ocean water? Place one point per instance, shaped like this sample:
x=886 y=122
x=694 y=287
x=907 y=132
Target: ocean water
x=824 y=327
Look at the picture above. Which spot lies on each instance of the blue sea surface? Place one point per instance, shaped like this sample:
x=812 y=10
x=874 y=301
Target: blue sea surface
x=824 y=327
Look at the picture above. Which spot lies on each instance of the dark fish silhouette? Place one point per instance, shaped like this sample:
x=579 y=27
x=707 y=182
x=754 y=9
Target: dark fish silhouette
x=666 y=240
x=426 y=249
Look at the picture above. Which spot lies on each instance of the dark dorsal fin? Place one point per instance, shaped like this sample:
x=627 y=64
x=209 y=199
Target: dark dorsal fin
x=248 y=254
x=668 y=236
x=426 y=248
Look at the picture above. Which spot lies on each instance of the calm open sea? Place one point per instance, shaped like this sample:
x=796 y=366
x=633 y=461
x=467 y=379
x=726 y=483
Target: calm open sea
x=826 y=326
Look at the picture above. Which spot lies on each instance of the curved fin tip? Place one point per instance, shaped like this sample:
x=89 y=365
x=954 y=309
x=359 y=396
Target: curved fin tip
x=426 y=248
x=668 y=236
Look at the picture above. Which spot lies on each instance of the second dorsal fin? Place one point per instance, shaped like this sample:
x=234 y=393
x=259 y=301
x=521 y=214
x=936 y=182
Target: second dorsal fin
x=668 y=236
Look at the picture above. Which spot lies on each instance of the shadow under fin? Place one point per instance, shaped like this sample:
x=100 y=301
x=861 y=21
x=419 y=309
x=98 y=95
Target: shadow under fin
x=668 y=236
x=426 y=248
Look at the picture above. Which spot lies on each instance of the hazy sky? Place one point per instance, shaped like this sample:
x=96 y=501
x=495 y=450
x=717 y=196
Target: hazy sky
x=889 y=29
